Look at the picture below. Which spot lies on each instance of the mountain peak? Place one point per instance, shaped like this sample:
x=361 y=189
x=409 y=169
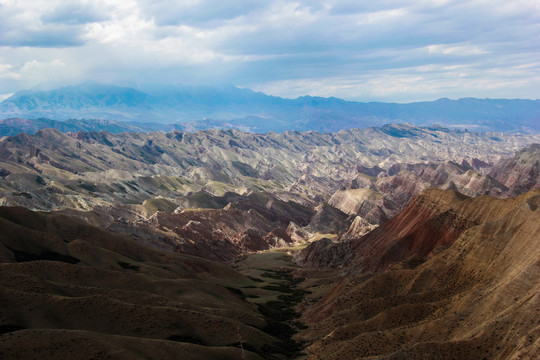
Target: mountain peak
x=259 y=112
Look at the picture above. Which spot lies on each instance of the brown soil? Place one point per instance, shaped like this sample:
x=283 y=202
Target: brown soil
x=478 y=298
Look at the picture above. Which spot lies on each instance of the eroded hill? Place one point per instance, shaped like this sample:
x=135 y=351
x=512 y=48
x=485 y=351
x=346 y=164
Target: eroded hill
x=129 y=261
x=71 y=289
x=449 y=277
x=250 y=191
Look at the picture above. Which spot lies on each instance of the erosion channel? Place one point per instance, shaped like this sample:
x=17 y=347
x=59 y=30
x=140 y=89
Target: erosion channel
x=277 y=293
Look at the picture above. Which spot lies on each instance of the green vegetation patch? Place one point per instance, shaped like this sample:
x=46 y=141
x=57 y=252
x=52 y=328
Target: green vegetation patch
x=40 y=180
x=245 y=169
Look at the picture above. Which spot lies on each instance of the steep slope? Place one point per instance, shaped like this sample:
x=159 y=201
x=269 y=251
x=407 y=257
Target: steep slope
x=366 y=203
x=51 y=170
x=477 y=297
x=520 y=173
x=432 y=220
x=397 y=185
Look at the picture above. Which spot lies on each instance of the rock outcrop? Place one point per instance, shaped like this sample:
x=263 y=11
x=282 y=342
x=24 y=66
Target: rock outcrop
x=367 y=203
x=401 y=182
x=520 y=173
x=307 y=168
x=461 y=282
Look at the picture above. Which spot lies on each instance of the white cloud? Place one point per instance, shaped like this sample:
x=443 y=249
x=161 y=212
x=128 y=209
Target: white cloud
x=410 y=84
x=347 y=48
x=380 y=16
x=36 y=71
x=4 y=67
x=460 y=50
x=7 y=73
x=5 y=96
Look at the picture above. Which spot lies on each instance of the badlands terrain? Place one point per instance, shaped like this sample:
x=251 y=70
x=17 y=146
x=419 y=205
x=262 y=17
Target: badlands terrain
x=392 y=242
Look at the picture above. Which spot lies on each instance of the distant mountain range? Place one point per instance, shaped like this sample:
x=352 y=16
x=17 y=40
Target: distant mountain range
x=202 y=107
x=14 y=126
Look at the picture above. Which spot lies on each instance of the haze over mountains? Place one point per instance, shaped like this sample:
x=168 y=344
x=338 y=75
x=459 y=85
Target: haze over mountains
x=392 y=242
x=308 y=213
x=232 y=107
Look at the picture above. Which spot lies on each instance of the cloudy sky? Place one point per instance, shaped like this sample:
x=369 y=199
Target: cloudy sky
x=362 y=50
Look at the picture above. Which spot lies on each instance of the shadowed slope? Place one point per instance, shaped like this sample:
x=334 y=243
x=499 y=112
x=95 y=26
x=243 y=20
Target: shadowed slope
x=432 y=220
x=102 y=294
x=476 y=299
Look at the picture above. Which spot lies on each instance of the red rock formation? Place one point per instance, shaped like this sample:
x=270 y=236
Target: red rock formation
x=434 y=219
x=478 y=298
x=428 y=222
x=220 y=235
x=520 y=173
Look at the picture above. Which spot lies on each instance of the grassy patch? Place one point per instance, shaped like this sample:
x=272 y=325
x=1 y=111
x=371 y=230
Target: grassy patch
x=255 y=279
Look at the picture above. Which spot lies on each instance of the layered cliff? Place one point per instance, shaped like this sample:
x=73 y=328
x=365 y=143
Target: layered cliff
x=520 y=173
x=461 y=282
x=52 y=170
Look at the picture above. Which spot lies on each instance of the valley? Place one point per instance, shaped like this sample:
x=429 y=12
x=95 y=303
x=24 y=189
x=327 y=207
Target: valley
x=269 y=180
x=72 y=289
x=392 y=242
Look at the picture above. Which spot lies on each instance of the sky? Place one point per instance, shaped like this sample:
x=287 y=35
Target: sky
x=385 y=50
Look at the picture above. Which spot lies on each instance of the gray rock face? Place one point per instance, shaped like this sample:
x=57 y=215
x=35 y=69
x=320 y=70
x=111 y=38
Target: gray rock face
x=308 y=168
x=131 y=180
x=520 y=173
x=379 y=199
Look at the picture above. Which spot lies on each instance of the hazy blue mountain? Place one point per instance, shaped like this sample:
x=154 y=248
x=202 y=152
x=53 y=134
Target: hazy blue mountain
x=14 y=126
x=78 y=97
x=229 y=106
